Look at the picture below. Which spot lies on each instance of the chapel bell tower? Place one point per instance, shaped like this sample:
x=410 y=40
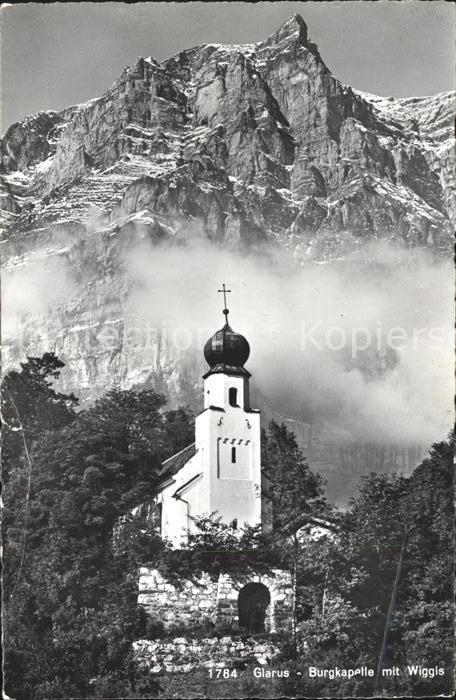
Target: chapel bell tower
x=227 y=432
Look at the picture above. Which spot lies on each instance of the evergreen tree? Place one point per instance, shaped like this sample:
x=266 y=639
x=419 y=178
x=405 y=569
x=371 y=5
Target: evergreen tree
x=295 y=493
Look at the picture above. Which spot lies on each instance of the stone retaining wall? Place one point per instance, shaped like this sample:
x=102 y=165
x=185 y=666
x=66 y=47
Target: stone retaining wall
x=214 y=601
x=182 y=655
x=186 y=606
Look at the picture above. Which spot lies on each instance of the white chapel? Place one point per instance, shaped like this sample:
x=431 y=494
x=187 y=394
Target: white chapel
x=221 y=471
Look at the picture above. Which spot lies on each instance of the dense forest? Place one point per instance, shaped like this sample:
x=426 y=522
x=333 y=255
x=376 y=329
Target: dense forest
x=73 y=540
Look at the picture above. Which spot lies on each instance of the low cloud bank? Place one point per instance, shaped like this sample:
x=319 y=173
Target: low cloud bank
x=364 y=345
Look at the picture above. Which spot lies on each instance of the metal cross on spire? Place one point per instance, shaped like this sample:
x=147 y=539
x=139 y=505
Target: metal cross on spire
x=224 y=291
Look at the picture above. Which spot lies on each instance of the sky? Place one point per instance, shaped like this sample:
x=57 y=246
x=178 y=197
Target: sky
x=59 y=54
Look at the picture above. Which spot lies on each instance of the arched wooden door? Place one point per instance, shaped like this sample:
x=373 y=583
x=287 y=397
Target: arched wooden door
x=253 y=601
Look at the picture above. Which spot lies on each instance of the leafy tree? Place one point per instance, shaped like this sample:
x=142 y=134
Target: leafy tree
x=390 y=515
x=71 y=611
x=74 y=536
x=30 y=403
x=30 y=408
x=422 y=627
x=296 y=496
x=180 y=430
x=215 y=547
x=295 y=493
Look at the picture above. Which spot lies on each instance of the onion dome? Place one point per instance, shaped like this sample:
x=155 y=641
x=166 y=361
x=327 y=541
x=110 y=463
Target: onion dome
x=227 y=351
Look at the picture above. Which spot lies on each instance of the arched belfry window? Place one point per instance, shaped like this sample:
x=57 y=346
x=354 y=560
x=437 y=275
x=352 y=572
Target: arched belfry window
x=233 y=455
x=232 y=396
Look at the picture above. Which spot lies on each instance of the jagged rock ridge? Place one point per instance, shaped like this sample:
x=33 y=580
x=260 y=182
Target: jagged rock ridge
x=231 y=135
x=249 y=144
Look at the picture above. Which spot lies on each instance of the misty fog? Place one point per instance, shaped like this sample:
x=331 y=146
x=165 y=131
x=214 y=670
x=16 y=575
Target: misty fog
x=364 y=345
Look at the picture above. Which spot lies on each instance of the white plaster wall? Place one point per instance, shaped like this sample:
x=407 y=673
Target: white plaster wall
x=216 y=390
x=235 y=489
x=175 y=512
x=232 y=490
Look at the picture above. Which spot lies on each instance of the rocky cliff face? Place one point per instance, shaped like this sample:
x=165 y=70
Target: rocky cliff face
x=250 y=145
x=227 y=134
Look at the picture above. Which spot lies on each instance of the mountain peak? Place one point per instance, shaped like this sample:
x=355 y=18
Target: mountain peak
x=293 y=26
x=293 y=30
x=295 y=19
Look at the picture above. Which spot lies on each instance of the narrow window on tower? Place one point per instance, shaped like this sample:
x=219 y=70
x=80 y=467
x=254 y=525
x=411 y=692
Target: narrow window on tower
x=232 y=392
x=157 y=516
x=233 y=455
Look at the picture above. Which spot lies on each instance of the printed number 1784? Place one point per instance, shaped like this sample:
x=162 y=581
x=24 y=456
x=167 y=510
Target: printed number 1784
x=222 y=673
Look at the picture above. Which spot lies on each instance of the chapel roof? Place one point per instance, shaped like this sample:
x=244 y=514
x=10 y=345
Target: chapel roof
x=175 y=463
x=226 y=351
x=226 y=348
